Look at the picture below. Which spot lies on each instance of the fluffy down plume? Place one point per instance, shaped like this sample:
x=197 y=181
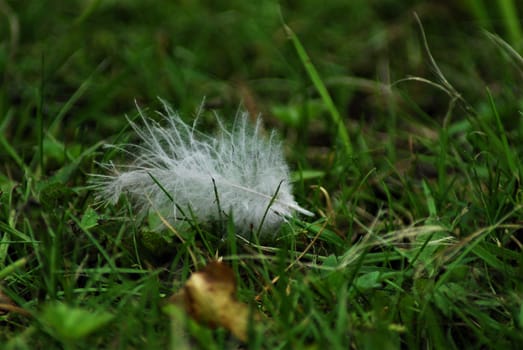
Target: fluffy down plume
x=176 y=169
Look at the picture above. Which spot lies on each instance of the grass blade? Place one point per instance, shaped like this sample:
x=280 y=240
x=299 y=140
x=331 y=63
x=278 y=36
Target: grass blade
x=322 y=90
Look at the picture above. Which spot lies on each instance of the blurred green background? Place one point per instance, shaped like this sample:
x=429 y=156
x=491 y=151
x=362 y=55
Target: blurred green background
x=95 y=57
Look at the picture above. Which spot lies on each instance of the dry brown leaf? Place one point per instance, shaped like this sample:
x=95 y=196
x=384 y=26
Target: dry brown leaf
x=5 y=301
x=7 y=305
x=209 y=296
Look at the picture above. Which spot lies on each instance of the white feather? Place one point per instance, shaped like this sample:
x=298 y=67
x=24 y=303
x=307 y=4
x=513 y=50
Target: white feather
x=177 y=167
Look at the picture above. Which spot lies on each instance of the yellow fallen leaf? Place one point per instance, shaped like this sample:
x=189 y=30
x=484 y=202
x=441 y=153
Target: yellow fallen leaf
x=209 y=296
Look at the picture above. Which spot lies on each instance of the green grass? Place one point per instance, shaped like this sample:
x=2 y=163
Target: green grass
x=416 y=183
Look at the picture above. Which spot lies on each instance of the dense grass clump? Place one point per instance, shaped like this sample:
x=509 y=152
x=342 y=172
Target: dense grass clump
x=403 y=132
